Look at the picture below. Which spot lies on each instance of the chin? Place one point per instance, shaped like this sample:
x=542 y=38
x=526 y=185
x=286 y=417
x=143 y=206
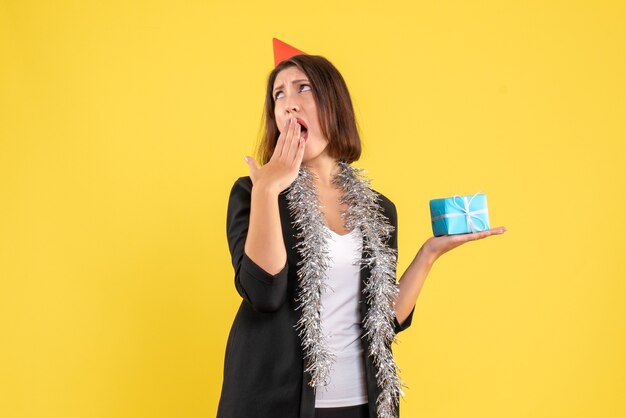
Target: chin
x=310 y=155
x=313 y=150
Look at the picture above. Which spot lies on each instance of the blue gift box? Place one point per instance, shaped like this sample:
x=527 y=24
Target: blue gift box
x=459 y=214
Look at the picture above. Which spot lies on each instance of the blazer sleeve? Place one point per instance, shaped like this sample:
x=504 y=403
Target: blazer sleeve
x=393 y=243
x=265 y=292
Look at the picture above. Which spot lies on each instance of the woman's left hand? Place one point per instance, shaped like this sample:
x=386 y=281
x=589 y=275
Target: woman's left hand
x=437 y=246
x=414 y=276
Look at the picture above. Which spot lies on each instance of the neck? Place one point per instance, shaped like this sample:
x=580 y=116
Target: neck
x=324 y=168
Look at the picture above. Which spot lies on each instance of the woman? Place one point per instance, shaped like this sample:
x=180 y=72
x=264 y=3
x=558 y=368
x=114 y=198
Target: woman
x=314 y=250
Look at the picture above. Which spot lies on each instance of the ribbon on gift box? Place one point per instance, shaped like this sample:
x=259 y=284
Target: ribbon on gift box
x=465 y=209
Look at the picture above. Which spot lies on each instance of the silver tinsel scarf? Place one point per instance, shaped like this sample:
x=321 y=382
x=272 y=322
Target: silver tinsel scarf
x=380 y=289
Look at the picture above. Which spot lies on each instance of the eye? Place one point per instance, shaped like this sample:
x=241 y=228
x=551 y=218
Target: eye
x=301 y=89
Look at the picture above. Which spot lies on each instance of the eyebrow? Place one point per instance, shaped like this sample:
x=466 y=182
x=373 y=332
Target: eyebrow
x=293 y=82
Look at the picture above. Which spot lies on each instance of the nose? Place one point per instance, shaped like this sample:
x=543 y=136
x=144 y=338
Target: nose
x=292 y=109
x=291 y=104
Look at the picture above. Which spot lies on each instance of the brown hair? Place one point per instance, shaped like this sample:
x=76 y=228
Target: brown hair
x=334 y=107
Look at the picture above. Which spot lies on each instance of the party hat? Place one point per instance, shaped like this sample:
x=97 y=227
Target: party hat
x=283 y=51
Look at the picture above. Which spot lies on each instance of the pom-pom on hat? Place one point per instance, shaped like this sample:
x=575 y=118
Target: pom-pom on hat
x=283 y=51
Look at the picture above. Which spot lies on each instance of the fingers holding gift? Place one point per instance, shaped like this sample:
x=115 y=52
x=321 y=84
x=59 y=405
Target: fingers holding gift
x=483 y=234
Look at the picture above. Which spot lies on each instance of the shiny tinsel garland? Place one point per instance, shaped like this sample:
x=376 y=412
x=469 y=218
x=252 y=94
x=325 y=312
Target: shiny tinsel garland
x=380 y=290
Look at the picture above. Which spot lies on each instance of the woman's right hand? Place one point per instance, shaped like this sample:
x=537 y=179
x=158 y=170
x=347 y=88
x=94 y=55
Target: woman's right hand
x=282 y=168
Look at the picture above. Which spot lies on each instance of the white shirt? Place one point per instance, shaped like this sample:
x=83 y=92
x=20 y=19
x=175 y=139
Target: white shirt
x=341 y=323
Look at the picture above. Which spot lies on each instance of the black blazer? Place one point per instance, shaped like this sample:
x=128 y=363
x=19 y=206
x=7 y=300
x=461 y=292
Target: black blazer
x=263 y=366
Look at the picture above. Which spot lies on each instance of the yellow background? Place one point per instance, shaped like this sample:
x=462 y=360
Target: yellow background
x=124 y=124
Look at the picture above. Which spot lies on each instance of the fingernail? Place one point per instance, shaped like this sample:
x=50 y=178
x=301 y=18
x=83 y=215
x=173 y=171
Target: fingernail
x=245 y=158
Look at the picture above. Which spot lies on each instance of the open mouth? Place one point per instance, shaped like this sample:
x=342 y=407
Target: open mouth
x=304 y=131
